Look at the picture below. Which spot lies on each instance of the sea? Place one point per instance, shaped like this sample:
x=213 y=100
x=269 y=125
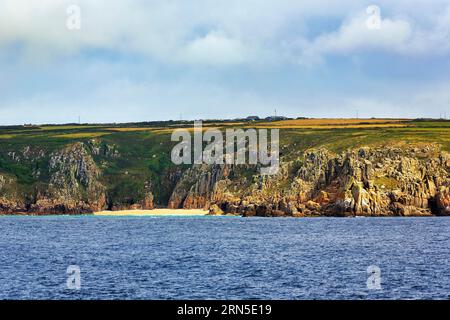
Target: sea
x=92 y=257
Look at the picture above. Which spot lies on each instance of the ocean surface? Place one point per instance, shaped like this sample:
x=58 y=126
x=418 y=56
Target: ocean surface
x=224 y=258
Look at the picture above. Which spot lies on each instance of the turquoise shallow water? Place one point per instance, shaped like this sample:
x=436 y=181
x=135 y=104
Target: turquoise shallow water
x=224 y=257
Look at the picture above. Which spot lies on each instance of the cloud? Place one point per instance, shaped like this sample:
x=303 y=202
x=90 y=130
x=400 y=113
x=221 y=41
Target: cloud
x=215 y=49
x=355 y=35
x=154 y=59
x=127 y=100
x=399 y=36
x=221 y=32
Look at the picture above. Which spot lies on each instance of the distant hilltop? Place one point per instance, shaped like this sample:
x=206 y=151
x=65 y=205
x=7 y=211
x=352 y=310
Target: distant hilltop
x=251 y=118
x=270 y=118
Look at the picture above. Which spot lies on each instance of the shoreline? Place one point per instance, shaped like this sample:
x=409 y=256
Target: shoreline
x=154 y=212
x=165 y=212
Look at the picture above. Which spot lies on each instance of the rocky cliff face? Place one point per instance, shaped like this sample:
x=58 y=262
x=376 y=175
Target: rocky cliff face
x=377 y=181
x=197 y=187
x=73 y=185
x=7 y=205
x=367 y=182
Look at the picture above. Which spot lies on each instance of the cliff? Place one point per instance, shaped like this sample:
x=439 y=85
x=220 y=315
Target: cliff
x=325 y=171
x=388 y=181
x=71 y=183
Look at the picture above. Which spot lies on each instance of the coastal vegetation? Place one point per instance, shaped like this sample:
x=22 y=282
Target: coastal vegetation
x=83 y=168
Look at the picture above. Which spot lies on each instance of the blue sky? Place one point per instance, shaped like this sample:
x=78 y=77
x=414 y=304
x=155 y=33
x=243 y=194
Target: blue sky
x=135 y=60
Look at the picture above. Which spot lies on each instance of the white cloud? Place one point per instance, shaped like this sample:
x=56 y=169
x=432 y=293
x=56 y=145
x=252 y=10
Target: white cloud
x=126 y=100
x=355 y=35
x=223 y=32
x=215 y=49
x=396 y=35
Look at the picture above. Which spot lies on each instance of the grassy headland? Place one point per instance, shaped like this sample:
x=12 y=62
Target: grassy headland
x=129 y=154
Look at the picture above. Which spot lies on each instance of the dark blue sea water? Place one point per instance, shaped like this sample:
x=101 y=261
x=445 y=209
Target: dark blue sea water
x=224 y=258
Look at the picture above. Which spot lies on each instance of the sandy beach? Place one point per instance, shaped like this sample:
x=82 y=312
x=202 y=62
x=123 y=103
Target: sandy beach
x=155 y=212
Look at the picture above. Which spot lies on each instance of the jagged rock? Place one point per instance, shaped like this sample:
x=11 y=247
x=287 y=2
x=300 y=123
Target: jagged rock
x=196 y=187
x=73 y=187
x=292 y=209
x=368 y=181
x=73 y=183
x=8 y=206
x=313 y=206
x=215 y=210
x=443 y=201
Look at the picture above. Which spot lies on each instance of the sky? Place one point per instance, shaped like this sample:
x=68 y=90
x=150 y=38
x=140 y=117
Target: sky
x=147 y=60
